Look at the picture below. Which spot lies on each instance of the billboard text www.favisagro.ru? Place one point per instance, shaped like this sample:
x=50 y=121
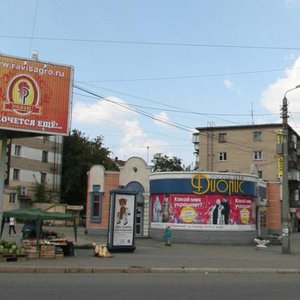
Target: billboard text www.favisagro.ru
x=32 y=69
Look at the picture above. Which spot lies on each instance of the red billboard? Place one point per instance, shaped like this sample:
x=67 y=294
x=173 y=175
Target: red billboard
x=35 y=96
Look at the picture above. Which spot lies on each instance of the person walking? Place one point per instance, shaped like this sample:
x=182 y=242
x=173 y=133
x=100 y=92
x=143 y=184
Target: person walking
x=12 y=223
x=167 y=235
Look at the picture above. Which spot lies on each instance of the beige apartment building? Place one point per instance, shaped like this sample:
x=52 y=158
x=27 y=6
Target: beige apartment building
x=31 y=161
x=254 y=149
x=243 y=148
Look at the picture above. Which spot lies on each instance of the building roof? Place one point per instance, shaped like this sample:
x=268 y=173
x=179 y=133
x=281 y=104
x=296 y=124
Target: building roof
x=248 y=126
x=241 y=126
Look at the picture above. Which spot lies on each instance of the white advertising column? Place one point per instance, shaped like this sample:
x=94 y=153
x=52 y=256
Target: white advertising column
x=122 y=219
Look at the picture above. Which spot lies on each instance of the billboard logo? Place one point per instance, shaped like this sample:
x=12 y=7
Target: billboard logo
x=23 y=95
x=202 y=185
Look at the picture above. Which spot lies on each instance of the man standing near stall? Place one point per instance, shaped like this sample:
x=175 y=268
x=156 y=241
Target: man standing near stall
x=12 y=223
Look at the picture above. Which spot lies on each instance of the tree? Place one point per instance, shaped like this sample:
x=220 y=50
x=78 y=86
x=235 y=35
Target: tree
x=164 y=163
x=43 y=194
x=40 y=193
x=79 y=155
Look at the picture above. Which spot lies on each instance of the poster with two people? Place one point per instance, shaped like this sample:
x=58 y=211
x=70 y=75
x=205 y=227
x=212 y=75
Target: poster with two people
x=209 y=210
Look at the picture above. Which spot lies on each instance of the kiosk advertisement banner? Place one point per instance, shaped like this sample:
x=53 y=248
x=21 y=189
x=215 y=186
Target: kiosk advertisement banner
x=123 y=220
x=208 y=211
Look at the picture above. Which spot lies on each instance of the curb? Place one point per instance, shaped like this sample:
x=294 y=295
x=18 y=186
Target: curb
x=143 y=270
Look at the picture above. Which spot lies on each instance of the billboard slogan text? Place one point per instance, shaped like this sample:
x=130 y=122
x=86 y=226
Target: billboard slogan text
x=29 y=122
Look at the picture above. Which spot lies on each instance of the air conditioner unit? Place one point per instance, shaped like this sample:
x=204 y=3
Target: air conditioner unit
x=23 y=190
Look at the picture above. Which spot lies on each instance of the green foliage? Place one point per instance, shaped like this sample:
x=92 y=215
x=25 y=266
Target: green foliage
x=164 y=163
x=40 y=192
x=44 y=195
x=79 y=155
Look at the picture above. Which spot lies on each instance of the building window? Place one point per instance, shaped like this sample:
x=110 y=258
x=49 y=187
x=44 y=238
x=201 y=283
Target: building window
x=257 y=155
x=257 y=136
x=17 y=150
x=46 y=138
x=96 y=203
x=16 y=174
x=222 y=156
x=43 y=177
x=12 y=198
x=222 y=137
x=260 y=174
x=44 y=156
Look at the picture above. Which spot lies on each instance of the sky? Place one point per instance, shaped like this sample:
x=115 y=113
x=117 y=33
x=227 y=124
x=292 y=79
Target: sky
x=147 y=73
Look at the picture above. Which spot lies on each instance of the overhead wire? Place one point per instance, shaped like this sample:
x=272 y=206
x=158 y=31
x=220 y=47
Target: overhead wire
x=166 y=44
x=151 y=132
x=131 y=106
x=181 y=110
x=177 y=125
x=177 y=108
x=191 y=76
x=173 y=44
x=235 y=144
x=180 y=126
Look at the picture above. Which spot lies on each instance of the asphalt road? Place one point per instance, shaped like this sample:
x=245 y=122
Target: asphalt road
x=148 y=286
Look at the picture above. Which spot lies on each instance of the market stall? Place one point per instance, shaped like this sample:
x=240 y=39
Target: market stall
x=44 y=246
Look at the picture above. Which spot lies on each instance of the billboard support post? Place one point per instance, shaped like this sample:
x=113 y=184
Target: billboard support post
x=2 y=171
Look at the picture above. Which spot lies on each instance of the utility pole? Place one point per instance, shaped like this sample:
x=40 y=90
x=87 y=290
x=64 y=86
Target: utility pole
x=147 y=155
x=285 y=215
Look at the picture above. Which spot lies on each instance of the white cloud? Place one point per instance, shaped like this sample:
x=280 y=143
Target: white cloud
x=228 y=84
x=272 y=96
x=103 y=118
x=101 y=111
x=290 y=3
x=163 y=117
x=290 y=57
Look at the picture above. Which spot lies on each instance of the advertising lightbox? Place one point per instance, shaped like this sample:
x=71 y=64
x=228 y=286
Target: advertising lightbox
x=208 y=212
x=122 y=220
x=206 y=201
x=35 y=96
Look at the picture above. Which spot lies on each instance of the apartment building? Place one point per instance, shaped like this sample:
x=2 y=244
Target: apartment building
x=252 y=149
x=240 y=148
x=31 y=161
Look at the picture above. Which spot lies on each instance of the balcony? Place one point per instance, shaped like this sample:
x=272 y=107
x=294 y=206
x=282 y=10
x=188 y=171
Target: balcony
x=195 y=138
x=294 y=175
x=293 y=164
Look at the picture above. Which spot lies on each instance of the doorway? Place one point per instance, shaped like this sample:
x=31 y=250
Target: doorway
x=139 y=220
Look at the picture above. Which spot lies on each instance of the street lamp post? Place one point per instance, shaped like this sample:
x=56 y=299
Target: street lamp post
x=286 y=247
x=147 y=155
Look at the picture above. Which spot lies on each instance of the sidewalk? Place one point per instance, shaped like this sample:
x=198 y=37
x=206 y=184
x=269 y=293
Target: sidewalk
x=153 y=256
